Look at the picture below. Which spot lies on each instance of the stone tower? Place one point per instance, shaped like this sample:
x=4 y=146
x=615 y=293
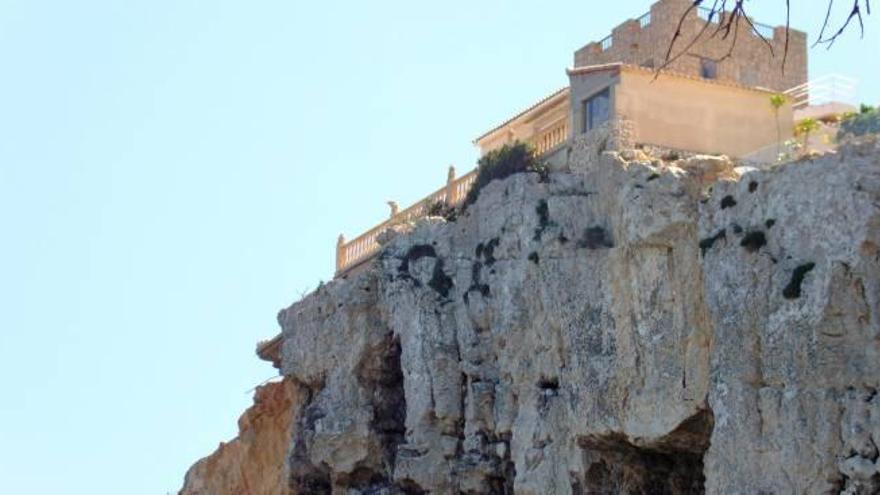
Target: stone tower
x=644 y=41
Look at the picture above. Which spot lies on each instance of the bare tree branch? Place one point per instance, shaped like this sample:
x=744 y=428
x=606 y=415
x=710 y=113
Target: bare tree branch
x=729 y=16
x=855 y=13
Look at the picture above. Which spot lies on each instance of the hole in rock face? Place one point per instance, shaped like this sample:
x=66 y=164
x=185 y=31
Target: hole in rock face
x=549 y=384
x=384 y=376
x=317 y=482
x=707 y=243
x=727 y=202
x=486 y=251
x=793 y=289
x=596 y=238
x=672 y=465
x=440 y=282
x=753 y=241
x=543 y=212
x=380 y=374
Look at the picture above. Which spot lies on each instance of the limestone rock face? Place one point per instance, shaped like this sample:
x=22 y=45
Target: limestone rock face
x=630 y=326
x=254 y=462
x=793 y=283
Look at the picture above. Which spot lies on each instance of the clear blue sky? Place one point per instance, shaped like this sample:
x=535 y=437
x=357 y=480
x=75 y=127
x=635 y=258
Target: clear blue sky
x=174 y=172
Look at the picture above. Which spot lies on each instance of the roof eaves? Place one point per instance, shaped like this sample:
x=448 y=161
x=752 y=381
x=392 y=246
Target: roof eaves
x=589 y=69
x=682 y=75
x=540 y=103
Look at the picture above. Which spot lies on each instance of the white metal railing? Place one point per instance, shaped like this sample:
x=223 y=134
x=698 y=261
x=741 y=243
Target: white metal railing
x=764 y=30
x=715 y=17
x=645 y=20
x=708 y=15
x=833 y=88
x=607 y=42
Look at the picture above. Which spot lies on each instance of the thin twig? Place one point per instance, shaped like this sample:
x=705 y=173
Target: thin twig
x=728 y=22
x=787 y=33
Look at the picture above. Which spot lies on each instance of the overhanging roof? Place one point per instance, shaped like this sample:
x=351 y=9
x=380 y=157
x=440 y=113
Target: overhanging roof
x=551 y=99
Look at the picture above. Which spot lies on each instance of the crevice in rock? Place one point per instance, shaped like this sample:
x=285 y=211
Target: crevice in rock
x=416 y=253
x=409 y=487
x=793 y=289
x=707 y=243
x=486 y=252
x=440 y=282
x=673 y=465
x=476 y=282
x=727 y=202
x=544 y=221
x=549 y=384
x=753 y=241
x=306 y=477
x=381 y=374
x=596 y=238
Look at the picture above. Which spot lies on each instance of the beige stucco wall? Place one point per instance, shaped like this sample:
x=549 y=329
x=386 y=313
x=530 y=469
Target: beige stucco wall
x=693 y=115
x=751 y=64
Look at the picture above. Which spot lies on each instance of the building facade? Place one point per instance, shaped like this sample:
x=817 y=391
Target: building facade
x=754 y=61
x=677 y=111
x=703 y=102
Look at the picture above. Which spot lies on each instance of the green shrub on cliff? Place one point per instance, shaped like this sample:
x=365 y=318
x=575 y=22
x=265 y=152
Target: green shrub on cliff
x=867 y=121
x=501 y=163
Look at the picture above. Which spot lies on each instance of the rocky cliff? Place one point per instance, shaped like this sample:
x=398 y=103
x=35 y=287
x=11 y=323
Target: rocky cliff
x=254 y=462
x=629 y=326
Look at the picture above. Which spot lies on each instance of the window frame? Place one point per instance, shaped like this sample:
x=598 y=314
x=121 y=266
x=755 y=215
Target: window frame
x=588 y=123
x=708 y=71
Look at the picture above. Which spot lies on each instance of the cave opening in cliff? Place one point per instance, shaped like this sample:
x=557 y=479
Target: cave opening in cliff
x=389 y=399
x=670 y=466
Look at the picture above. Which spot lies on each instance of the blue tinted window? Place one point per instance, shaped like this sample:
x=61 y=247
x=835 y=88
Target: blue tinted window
x=708 y=68
x=597 y=110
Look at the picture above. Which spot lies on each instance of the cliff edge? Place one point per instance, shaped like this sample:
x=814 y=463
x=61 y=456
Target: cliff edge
x=630 y=326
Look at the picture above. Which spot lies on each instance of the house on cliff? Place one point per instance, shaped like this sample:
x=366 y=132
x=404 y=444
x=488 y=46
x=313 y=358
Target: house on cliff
x=712 y=99
x=623 y=94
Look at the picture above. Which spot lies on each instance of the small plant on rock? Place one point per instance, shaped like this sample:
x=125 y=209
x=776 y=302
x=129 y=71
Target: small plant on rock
x=502 y=163
x=806 y=127
x=867 y=121
x=442 y=209
x=777 y=101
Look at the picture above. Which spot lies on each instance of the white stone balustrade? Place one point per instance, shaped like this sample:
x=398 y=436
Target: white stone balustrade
x=354 y=253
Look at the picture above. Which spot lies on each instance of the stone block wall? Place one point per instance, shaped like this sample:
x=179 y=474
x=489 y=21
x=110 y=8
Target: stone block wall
x=752 y=62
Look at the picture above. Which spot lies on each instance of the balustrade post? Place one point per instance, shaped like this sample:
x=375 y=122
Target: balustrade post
x=340 y=253
x=395 y=208
x=450 y=186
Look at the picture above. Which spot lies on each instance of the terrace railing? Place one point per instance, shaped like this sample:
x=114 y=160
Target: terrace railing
x=833 y=88
x=551 y=138
x=360 y=249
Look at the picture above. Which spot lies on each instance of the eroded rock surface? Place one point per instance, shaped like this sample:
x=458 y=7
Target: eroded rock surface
x=254 y=462
x=632 y=326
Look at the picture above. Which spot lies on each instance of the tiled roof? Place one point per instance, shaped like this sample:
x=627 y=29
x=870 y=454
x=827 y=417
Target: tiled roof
x=540 y=103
